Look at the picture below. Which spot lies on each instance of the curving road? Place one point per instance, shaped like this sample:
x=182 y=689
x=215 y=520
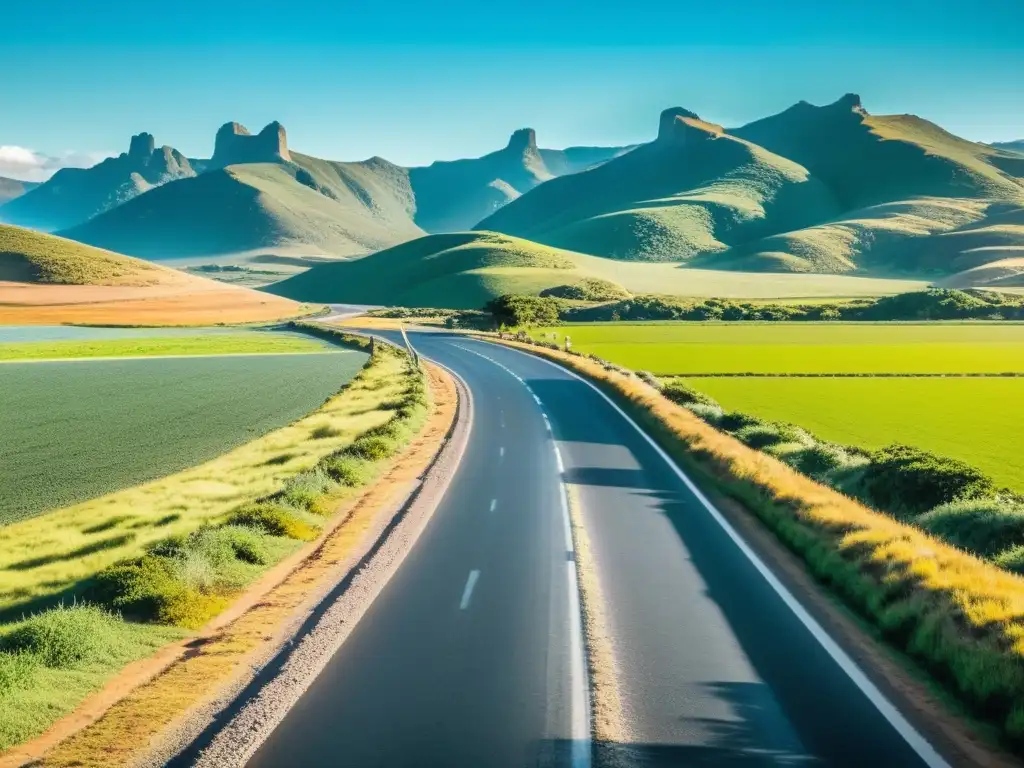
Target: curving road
x=471 y=656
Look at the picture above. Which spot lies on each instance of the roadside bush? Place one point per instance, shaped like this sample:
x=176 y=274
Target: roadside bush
x=760 y=435
x=908 y=481
x=734 y=420
x=983 y=527
x=275 y=519
x=349 y=471
x=372 y=448
x=16 y=670
x=307 y=489
x=590 y=289
x=61 y=637
x=712 y=414
x=819 y=459
x=681 y=393
x=1012 y=560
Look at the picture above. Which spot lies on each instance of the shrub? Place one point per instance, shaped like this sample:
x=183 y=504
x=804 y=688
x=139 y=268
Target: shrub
x=372 y=448
x=307 y=489
x=734 y=420
x=63 y=636
x=523 y=310
x=710 y=413
x=589 y=289
x=349 y=471
x=820 y=459
x=983 y=527
x=1011 y=560
x=760 y=435
x=16 y=670
x=909 y=481
x=647 y=378
x=275 y=519
x=681 y=393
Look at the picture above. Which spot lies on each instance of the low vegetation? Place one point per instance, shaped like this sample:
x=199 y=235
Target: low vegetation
x=237 y=343
x=956 y=614
x=179 y=580
x=156 y=417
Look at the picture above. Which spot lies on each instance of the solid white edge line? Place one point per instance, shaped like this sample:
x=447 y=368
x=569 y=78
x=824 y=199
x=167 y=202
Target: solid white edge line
x=494 y=504
x=467 y=592
x=900 y=724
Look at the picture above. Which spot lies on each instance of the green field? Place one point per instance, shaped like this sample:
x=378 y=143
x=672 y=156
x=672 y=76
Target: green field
x=979 y=421
x=252 y=342
x=73 y=431
x=690 y=348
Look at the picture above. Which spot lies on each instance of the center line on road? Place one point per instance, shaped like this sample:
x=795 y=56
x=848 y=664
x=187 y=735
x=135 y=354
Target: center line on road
x=494 y=504
x=501 y=451
x=467 y=593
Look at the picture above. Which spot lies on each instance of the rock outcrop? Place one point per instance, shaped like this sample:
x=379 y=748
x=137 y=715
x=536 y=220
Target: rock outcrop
x=234 y=145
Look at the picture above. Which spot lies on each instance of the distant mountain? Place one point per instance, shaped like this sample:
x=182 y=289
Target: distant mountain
x=813 y=189
x=74 y=195
x=452 y=196
x=695 y=189
x=258 y=195
x=1011 y=146
x=12 y=188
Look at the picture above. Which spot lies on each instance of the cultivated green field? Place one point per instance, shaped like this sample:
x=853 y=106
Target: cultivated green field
x=73 y=431
x=977 y=420
x=204 y=344
x=689 y=348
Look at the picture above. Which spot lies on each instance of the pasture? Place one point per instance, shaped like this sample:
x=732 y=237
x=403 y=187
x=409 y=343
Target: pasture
x=681 y=348
x=977 y=420
x=71 y=431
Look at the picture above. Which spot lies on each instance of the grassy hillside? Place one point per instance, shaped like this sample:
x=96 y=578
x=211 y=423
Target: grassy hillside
x=12 y=188
x=341 y=209
x=694 y=190
x=74 y=195
x=32 y=257
x=466 y=270
x=575 y=159
x=453 y=196
x=1011 y=146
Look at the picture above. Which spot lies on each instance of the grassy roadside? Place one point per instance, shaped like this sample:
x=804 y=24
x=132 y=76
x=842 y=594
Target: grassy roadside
x=959 y=617
x=151 y=588
x=205 y=344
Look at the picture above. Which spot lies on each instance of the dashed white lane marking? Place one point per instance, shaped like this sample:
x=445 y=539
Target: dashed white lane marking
x=501 y=452
x=467 y=593
x=579 y=686
x=494 y=504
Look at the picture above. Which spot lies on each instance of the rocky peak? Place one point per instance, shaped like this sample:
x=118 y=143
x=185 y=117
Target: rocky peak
x=234 y=144
x=141 y=147
x=680 y=126
x=523 y=140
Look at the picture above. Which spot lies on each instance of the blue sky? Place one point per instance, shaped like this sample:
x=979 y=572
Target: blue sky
x=414 y=82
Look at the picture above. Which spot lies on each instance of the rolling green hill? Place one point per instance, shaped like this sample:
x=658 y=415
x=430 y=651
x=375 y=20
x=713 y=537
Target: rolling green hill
x=693 y=190
x=465 y=270
x=827 y=189
x=74 y=195
x=12 y=188
x=33 y=257
x=276 y=198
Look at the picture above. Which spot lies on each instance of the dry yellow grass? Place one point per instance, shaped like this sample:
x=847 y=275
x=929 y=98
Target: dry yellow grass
x=961 y=617
x=47 y=554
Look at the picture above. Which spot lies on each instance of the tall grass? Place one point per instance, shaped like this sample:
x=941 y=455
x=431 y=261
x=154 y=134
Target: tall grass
x=959 y=616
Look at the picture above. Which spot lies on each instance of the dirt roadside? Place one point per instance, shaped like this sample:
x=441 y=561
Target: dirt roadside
x=177 y=690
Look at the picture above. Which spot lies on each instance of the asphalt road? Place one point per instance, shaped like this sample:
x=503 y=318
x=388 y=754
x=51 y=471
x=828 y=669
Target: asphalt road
x=470 y=655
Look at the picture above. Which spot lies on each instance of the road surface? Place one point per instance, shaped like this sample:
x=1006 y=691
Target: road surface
x=468 y=657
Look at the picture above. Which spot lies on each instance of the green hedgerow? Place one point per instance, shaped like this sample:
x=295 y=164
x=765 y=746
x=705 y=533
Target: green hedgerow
x=760 y=435
x=906 y=480
x=709 y=413
x=276 y=519
x=349 y=471
x=373 y=448
x=983 y=527
x=63 y=636
x=683 y=394
x=1011 y=559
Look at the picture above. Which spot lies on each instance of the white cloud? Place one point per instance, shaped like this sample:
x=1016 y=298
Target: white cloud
x=29 y=165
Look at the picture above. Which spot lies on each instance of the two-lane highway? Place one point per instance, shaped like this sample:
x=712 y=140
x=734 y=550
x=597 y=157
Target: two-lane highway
x=469 y=657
